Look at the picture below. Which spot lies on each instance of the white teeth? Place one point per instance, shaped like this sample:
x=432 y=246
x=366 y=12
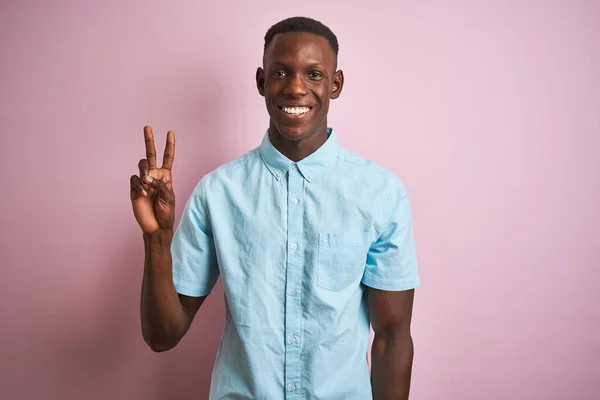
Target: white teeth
x=295 y=110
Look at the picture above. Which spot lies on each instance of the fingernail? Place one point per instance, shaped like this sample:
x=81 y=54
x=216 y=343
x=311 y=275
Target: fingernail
x=148 y=178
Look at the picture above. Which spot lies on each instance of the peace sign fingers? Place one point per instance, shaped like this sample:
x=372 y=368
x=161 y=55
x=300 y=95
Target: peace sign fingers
x=150 y=149
x=169 y=155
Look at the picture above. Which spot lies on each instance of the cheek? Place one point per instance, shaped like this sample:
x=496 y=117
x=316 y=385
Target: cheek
x=269 y=96
x=323 y=97
x=271 y=89
x=322 y=93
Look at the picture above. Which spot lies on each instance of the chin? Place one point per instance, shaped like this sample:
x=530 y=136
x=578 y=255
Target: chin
x=294 y=133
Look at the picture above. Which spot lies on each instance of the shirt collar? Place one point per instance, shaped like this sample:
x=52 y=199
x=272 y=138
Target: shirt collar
x=311 y=167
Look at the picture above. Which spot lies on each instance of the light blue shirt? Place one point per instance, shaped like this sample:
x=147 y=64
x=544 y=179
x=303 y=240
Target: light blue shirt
x=295 y=244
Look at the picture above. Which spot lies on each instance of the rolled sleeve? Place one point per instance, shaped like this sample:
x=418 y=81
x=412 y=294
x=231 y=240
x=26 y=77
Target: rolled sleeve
x=195 y=268
x=392 y=261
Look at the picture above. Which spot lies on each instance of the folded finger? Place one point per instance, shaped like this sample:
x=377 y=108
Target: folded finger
x=143 y=167
x=136 y=187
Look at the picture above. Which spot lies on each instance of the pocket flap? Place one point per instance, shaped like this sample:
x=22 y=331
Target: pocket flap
x=340 y=239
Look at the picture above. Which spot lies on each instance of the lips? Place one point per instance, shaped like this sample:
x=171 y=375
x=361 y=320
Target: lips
x=295 y=111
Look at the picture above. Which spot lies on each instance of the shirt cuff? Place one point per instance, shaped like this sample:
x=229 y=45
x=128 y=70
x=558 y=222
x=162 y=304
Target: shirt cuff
x=186 y=289
x=392 y=285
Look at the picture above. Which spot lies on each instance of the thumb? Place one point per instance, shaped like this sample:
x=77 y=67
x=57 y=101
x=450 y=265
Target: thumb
x=161 y=188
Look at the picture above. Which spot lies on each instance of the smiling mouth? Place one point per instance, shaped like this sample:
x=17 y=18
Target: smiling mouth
x=295 y=110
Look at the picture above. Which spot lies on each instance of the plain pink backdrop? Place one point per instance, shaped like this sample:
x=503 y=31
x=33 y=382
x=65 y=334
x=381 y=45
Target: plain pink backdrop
x=489 y=111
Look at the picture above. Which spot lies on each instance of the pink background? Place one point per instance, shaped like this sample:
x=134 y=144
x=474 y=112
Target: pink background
x=488 y=110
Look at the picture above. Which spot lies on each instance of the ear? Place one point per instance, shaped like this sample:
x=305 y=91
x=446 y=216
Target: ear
x=338 y=84
x=260 y=81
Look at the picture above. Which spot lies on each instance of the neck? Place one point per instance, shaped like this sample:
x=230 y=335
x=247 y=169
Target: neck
x=297 y=150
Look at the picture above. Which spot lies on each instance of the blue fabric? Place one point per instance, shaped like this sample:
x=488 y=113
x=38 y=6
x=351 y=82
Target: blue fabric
x=295 y=244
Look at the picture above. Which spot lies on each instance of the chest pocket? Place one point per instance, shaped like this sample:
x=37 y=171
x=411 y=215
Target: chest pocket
x=341 y=259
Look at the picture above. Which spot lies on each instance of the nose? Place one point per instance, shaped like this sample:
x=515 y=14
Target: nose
x=296 y=86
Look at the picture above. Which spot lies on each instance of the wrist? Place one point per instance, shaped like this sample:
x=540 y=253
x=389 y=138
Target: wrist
x=159 y=238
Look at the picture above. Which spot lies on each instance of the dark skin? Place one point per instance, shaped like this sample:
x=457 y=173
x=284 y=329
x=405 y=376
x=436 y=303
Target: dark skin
x=165 y=315
x=299 y=71
x=392 y=351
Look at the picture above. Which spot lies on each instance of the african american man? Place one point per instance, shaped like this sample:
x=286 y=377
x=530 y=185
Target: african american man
x=313 y=244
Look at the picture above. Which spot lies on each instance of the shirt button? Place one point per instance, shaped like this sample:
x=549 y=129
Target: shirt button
x=295 y=167
x=292 y=388
x=293 y=292
x=294 y=246
x=294 y=201
x=292 y=340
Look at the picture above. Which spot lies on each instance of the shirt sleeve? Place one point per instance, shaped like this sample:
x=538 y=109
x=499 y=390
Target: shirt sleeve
x=392 y=261
x=195 y=268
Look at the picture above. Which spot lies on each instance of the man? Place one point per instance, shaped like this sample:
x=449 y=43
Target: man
x=312 y=243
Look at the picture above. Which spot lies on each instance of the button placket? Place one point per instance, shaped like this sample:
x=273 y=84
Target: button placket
x=295 y=265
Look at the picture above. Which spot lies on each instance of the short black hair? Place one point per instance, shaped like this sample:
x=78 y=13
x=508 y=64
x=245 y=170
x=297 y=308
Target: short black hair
x=302 y=24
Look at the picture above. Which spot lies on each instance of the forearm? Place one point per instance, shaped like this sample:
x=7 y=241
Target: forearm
x=162 y=314
x=391 y=367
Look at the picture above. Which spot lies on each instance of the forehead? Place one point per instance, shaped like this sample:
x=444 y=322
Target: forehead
x=299 y=48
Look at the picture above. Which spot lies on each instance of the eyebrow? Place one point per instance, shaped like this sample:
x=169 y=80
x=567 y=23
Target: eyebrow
x=283 y=64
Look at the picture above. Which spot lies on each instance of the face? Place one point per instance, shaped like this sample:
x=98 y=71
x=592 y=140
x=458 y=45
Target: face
x=298 y=80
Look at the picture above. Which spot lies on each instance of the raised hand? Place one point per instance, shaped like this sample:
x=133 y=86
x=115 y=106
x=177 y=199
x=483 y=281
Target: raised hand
x=152 y=195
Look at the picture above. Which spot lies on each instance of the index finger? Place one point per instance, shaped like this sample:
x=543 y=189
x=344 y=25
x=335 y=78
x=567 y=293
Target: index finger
x=150 y=149
x=169 y=155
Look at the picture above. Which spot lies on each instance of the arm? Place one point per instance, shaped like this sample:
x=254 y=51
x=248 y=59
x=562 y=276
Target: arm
x=166 y=315
x=391 y=275
x=392 y=351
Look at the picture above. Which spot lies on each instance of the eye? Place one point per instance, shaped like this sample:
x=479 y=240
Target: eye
x=315 y=75
x=279 y=74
